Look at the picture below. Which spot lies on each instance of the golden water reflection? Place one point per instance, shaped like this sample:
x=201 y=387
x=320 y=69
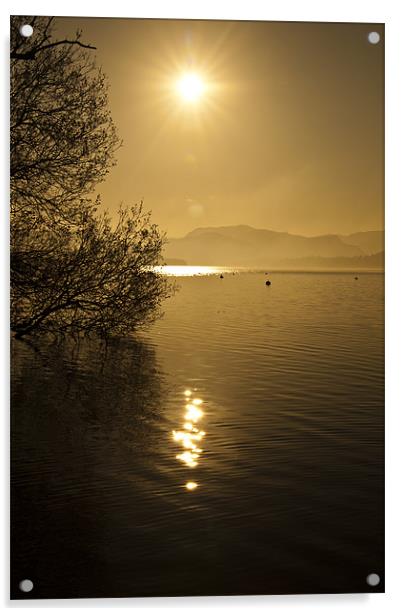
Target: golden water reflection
x=187 y=270
x=189 y=436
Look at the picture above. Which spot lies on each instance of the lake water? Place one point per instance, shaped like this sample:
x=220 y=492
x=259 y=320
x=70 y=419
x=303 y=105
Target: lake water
x=236 y=446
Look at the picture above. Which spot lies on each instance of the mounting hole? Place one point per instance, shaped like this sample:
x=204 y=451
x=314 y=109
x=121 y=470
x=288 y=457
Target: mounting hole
x=26 y=585
x=374 y=38
x=26 y=30
x=373 y=579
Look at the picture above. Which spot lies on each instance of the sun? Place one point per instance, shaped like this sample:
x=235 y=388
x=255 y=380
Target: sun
x=190 y=87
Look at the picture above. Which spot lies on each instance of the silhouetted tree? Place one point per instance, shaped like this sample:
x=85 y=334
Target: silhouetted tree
x=71 y=270
x=100 y=280
x=62 y=135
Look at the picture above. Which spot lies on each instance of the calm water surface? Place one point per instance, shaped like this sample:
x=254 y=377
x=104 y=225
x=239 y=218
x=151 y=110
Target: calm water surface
x=234 y=447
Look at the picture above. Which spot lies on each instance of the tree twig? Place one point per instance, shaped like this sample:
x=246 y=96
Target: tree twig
x=30 y=55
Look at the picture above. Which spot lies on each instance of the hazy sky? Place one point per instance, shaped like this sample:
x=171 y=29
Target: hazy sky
x=288 y=135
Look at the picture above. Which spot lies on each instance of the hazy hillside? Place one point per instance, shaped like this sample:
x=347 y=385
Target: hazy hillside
x=246 y=246
x=375 y=261
x=371 y=242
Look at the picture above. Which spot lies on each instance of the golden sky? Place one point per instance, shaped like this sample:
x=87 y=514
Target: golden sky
x=287 y=135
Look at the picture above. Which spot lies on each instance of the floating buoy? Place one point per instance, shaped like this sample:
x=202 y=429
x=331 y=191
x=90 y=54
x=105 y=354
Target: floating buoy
x=221 y=276
x=356 y=277
x=268 y=283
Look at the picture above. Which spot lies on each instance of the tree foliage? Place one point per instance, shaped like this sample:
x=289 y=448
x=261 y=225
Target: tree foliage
x=72 y=270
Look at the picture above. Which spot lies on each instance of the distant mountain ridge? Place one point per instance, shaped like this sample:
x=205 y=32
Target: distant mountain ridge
x=243 y=245
x=373 y=262
x=371 y=242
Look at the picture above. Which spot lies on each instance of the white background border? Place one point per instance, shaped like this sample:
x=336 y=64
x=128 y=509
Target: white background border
x=283 y=10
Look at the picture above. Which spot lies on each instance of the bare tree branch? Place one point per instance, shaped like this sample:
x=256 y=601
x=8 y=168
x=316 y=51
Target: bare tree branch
x=30 y=55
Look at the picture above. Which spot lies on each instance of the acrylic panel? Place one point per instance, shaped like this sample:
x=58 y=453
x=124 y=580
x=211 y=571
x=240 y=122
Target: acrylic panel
x=197 y=305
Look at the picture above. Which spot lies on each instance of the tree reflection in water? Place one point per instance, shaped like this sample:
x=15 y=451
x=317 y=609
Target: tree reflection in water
x=87 y=428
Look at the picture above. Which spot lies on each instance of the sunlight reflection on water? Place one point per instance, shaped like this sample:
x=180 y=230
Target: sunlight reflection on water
x=189 y=436
x=194 y=270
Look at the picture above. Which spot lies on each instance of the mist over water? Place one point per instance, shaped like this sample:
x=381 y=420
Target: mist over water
x=275 y=483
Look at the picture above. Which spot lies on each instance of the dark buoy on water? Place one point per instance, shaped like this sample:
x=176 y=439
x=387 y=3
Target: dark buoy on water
x=268 y=283
x=221 y=276
x=356 y=277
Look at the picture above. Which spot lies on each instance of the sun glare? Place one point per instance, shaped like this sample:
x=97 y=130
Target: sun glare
x=190 y=87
